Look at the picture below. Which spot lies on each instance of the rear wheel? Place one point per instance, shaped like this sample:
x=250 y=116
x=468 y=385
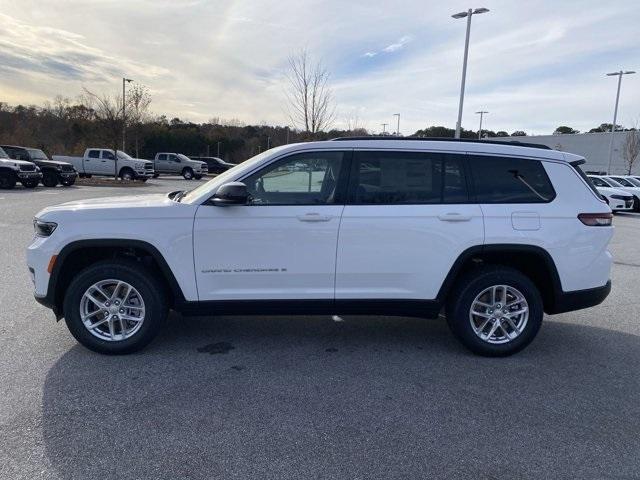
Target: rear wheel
x=49 y=178
x=115 y=307
x=495 y=311
x=187 y=173
x=7 y=180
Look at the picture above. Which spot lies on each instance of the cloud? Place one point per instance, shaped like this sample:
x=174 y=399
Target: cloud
x=394 y=47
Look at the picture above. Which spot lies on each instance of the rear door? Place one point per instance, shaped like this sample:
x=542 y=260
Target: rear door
x=408 y=217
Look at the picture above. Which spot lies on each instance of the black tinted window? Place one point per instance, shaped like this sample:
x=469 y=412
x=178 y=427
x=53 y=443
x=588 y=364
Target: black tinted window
x=510 y=180
x=94 y=153
x=309 y=178
x=108 y=155
x=396 y=178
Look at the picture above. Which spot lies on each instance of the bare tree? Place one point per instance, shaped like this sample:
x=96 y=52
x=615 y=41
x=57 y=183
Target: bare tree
x=138 y=102
x=631 y=149
x=108 y=113
x=354 y=125
x=309 y=95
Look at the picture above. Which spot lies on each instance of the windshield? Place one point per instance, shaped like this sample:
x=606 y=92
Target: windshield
x=208 y=189
x=612 y=182
x=184 y=158
x=634 y=181
x=3 y=154
x=36 y=154
x=124 y=156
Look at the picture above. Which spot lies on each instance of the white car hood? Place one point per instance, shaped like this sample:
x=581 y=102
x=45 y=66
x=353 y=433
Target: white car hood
x=132 y=201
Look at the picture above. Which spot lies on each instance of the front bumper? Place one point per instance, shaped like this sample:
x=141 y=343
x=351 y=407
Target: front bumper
x=579 y=299
x=67 y=176
x=29 y=175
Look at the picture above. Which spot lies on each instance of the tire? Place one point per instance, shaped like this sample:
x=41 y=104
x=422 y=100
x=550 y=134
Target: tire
x=7 y=180
x=49 y=179
x=636 y=204
x=187 y=173
x=30 y=183
x=198 y=177
x=145 y=286
x=500 y=344
x=68 y=183
x=127 y=174
x=156 y=175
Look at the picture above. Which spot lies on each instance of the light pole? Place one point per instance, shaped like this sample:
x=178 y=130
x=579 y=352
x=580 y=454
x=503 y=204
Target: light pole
x=398 y=127
x=124 y=117
x=481 y=112
x=218 y=150
x=384 y=128
x=469 y=13
x=615 y=111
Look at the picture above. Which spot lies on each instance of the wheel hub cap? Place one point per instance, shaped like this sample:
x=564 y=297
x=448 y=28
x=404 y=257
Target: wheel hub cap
x=112 y=310
x=499 y=314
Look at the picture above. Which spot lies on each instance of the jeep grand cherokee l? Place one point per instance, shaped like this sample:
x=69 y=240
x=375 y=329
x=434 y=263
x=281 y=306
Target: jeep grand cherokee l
x=492 y=233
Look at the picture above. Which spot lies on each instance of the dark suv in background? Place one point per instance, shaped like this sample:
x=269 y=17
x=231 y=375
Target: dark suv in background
x=53 y=172
x=215 y=164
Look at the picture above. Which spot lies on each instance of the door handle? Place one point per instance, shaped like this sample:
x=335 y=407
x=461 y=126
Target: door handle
x=454 y=217
x=314 y=217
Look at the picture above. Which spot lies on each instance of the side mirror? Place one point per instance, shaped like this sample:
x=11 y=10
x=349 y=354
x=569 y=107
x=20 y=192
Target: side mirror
x=232 y=193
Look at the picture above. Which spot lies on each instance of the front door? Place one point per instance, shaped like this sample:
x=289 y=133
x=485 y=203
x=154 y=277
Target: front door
x=407 y=219
x=107 y=163
x=282 y=244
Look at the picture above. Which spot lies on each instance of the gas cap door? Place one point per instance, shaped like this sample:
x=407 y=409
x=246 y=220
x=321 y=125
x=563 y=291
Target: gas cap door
x=525 y=220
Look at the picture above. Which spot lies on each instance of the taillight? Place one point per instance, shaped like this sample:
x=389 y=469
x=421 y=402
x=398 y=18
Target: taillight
x=596 y=219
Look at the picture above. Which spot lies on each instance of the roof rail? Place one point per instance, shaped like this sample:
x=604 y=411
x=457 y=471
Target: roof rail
x=513 y=143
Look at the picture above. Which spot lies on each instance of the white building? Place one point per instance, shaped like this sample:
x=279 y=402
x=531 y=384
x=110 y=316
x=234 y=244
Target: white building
x=593 y=146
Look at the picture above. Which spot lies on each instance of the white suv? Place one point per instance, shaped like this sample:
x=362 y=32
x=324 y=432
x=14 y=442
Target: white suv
x=493 y=233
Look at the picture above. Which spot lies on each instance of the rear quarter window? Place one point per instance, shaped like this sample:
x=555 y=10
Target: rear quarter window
x=510 y=180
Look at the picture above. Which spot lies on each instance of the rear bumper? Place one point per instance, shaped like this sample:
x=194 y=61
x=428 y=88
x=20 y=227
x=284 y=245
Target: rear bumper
x=579 y=299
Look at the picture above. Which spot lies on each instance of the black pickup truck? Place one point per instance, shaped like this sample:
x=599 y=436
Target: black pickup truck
x=53 y=172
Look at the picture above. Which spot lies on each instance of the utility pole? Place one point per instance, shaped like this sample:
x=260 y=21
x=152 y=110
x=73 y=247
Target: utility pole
x=124 y=115
x=398 y=127
x=218 y=150
x=468 y=14
x=481 y=112
x=384 y=128
x=615 y=112
x=268 y=143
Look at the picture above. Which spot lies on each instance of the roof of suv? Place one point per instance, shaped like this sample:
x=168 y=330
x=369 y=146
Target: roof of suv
x=442 y=144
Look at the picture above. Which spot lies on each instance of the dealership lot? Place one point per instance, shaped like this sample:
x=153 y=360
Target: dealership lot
x=294 y=397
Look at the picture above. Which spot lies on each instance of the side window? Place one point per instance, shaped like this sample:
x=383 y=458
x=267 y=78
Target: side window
x=94 y=153
x=404 y=178
x=108 y=155
x=162 y=157
x=173 y=158
x=309 y=178
x=510 y=180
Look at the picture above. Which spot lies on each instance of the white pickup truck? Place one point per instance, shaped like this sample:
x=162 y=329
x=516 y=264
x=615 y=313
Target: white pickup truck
x=102 y=161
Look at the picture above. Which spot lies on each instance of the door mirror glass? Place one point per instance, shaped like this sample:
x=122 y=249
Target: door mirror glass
x=232 y=193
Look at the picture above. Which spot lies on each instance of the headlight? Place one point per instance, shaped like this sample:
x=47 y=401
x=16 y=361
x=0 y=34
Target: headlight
x=43 y=229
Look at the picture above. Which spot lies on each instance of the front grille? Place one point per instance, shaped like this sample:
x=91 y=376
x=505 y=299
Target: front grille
x=28 y=168
x=148 y=166
x=67 y=168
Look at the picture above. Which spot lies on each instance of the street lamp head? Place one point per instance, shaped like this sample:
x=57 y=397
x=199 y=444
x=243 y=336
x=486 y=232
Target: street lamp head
x=128 y=80
x=460 y=15
x=481 y=10
x=628 y=72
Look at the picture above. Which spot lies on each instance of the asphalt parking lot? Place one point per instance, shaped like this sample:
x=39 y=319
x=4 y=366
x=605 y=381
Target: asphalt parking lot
x=295 y=397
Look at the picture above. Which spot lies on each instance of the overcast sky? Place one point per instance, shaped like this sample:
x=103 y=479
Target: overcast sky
x=533 y=65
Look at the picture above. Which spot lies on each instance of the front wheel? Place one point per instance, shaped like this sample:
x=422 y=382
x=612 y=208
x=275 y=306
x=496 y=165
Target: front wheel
x=49 y=179
x=495 y=311
x=7 y=180
x=126 y=174
x=115 y=307
x=187 y=173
